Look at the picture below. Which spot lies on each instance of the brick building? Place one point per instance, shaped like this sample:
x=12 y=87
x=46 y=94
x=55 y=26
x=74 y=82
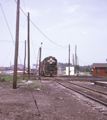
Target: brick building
x=99 y=69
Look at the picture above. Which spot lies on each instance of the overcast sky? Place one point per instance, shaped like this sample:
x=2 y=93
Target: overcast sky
x=60 y=23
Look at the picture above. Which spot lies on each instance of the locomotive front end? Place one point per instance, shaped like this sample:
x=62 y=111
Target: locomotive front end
x=50 y=66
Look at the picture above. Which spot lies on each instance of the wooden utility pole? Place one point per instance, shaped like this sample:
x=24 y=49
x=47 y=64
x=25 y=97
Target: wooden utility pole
x=16 y=46
x=28 y=47
x=69 y=59
x=24 y=61
x=75 y=59
x=39 y=62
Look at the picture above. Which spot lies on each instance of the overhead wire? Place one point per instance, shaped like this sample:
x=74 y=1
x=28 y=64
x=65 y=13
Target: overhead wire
x=52 y=49
x=33 y=49
x=9 y=41
x=5 y=2
x=45 y=35
x=37 y=60
x=7 y=23
x=24 y=4
x=33 y=24
x=79 y=59
x=32 y=45
x=40 y=30
x=7 y=55
x=9 y=29
x=83 y=61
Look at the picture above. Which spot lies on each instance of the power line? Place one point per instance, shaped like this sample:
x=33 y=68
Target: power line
x=8 y=28
x=5 y=2
x=24 y=5
x=40 y=30
x=33 y=45
x=47 y=48
x=83 y=62
x=33 y=49
x=45 y=35
x=53 y=49
x=7 y=55
x=7 y=23
x=8 y=41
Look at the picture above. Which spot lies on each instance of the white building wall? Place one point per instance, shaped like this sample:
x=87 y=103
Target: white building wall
x=71 y=70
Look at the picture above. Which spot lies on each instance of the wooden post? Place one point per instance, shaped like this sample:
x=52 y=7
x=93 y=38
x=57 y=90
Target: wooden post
x=75 y=59
x=69 y=59
x=28 y=48
x=24 y=61
x=39 y=62
x=16 y=46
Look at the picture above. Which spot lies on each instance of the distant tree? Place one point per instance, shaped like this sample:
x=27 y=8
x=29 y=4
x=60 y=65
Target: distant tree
x=79 y=68
x=63 y=65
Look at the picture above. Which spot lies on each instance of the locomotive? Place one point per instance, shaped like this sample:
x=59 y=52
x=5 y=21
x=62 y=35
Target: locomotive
x=49 y=66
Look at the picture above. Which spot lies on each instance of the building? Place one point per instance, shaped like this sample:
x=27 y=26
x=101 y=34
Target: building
x=3 y=68
x=61 y=71
x=71 y=70
x=19 y=67
x=99 y=69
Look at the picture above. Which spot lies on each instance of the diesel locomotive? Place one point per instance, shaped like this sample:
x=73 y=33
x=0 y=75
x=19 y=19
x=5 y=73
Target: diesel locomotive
x=49 y=66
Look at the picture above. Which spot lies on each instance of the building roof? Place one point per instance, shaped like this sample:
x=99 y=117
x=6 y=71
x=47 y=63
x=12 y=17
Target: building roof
x=100 y=65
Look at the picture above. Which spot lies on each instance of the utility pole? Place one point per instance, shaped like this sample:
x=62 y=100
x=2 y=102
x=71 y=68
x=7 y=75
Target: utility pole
x=28 y=47
x=24 y=61
x=16 y=46
x=69 y=59
x=39 y=62
x=75 y=59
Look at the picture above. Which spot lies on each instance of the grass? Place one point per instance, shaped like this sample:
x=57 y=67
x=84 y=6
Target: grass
x=7 y=77
x=35 y=85
x=6 y=84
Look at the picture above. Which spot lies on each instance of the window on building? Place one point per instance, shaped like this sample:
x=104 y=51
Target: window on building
x=105 y=70
x=98 y=70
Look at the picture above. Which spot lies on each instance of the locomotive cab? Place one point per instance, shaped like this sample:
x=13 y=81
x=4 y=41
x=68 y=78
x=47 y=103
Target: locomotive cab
x=49 y=67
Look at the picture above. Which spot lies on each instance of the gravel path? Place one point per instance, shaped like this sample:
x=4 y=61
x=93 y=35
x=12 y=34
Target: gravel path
x=54 y=103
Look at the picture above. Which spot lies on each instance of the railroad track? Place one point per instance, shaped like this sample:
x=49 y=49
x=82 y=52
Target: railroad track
x=101 y=92
x=93 y=94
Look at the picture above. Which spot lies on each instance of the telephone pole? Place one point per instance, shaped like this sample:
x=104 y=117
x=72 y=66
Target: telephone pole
x=69 y=59
x=24 y=61
x=75 y=59
x=16 y=46
x=28 y=47
x=39 y=62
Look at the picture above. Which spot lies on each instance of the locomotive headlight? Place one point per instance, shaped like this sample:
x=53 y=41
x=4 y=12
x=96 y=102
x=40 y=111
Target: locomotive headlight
x=50 y=59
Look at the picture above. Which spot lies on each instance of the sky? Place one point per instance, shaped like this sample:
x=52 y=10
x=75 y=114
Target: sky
x=56 y=24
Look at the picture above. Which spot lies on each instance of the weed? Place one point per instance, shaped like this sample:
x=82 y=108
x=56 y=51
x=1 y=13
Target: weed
x=8 y=78
x=6 y=84
x=34 y=85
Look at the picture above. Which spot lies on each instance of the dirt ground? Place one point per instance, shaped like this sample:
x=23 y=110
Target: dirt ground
x=54 y=102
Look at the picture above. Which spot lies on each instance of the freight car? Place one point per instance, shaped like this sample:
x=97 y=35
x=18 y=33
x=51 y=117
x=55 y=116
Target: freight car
x=49 y=66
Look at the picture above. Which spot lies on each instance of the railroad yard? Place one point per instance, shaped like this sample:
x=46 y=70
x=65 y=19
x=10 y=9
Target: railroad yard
x=53 y=64
x=54 y=98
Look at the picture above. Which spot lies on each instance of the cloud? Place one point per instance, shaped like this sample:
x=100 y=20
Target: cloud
x=71 y=9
